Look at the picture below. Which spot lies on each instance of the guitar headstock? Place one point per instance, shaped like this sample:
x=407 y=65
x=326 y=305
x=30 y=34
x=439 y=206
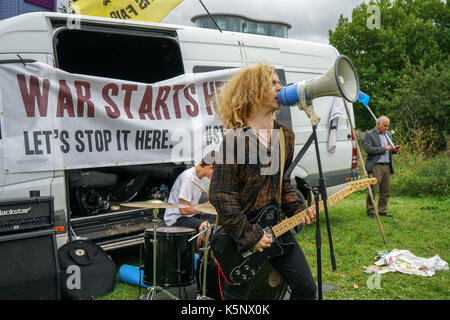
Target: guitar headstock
x=361 y=184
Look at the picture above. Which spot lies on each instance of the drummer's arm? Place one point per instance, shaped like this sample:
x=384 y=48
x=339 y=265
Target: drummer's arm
x=189 y=210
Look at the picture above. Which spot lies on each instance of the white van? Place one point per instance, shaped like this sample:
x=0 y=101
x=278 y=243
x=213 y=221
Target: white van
x=151 y=52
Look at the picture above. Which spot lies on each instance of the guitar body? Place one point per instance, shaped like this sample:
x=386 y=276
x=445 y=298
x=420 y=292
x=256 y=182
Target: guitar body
x=239 y=268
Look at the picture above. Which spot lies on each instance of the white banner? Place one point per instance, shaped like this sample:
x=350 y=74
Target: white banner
x=52 y=120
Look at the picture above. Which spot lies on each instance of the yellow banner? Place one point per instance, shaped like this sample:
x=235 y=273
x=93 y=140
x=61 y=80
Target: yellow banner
x=142 y=10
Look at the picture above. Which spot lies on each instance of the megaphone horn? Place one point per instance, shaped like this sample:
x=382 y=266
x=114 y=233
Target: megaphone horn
x=341 y=81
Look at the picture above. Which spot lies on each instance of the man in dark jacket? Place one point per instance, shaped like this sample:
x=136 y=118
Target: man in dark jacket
x=377 y=144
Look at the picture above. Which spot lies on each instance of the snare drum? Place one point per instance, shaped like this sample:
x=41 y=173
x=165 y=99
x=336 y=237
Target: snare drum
x=174 y=256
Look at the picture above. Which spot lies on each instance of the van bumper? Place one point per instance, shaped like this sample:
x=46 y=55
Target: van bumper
x=332 y=178
x=115 y=230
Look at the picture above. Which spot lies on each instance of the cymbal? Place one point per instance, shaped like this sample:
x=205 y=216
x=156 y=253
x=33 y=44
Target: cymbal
x=200 y=187
x=153 y=204
x=206 y=208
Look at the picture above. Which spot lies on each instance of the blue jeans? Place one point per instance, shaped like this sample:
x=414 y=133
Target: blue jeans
x=292 y=266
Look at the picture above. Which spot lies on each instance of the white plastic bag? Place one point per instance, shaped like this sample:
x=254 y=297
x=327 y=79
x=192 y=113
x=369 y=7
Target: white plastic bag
x=406 y=262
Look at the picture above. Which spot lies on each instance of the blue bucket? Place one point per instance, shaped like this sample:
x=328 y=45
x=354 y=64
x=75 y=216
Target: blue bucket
x=130 y=274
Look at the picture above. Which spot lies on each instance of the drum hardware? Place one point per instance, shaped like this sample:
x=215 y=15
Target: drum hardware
x=175 y=255
x=154 y=289
x=155 y=205
x=205 y=250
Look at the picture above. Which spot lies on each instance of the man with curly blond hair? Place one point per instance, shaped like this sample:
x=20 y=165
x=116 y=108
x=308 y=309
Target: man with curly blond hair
x=239 y=189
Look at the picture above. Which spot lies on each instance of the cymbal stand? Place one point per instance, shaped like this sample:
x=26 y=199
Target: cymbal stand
x=205 y=250
x=154 y=289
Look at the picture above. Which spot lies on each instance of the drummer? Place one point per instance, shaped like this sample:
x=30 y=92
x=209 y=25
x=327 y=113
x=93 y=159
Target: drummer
x=187 y=190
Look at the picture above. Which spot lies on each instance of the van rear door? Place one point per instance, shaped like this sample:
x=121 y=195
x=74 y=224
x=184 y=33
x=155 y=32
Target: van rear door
x=126 y=51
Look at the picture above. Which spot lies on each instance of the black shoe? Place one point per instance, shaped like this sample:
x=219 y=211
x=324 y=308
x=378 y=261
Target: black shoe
x=386 y=215
x=371 y=215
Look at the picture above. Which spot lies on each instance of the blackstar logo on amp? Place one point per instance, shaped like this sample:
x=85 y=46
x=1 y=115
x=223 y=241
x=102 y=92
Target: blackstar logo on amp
x=26 y=213
x=14 y=211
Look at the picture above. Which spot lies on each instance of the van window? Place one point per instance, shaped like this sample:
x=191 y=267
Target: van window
x=146 y=57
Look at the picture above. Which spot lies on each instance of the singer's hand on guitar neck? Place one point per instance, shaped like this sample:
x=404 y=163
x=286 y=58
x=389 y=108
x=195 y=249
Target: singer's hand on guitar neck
x=310 y=217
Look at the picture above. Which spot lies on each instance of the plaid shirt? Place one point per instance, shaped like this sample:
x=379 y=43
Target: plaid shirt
x=238 y=191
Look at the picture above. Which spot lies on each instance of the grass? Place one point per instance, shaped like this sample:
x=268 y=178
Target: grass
x=421 y=208
x=420 y=225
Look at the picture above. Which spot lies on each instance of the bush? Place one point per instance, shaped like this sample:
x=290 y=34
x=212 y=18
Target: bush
x=416 y=175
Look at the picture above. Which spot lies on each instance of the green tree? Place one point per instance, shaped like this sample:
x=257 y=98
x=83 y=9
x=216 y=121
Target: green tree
x=411 y=33
x=420 y=107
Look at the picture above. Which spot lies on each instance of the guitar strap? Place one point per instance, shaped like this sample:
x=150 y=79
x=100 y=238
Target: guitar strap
x=282 y=160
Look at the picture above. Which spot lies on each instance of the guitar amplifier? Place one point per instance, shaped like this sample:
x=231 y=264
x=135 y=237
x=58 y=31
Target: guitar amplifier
x=26 y=213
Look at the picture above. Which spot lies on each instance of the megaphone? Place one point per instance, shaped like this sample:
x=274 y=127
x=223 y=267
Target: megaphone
x=340 y=81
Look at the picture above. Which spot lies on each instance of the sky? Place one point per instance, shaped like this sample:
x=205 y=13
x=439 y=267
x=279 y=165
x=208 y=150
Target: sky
x=310 y=19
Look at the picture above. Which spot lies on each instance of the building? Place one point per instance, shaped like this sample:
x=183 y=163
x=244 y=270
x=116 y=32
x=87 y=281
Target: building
x=237 y=23
x=11 y=8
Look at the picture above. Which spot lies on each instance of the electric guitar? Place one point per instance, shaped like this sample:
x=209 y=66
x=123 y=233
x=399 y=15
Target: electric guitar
x=239 y=268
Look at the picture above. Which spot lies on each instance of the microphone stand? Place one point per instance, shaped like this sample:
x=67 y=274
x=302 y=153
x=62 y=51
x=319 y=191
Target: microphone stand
x=317 y=190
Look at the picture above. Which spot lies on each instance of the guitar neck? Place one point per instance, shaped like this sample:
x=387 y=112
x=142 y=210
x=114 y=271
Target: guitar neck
x=292 y=222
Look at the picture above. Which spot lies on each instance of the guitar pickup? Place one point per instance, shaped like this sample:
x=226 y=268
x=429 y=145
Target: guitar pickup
x=249 y=252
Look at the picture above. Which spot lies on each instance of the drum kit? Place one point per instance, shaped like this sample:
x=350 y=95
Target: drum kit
x=175 y=246
x=169 y=258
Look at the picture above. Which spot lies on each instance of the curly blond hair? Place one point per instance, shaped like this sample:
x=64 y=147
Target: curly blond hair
x=241 y=96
